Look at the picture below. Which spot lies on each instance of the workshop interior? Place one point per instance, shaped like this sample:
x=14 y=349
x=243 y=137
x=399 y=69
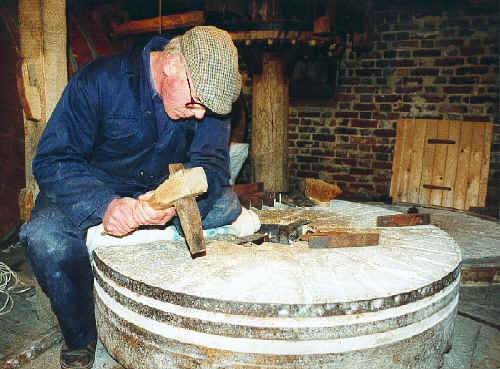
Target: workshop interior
x=364 y=151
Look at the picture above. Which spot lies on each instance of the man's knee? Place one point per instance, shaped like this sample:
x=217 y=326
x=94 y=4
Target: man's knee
x=225 y=210
x=50 y=238
x=42 y=241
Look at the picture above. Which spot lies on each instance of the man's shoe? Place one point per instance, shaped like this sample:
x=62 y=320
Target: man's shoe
x=82 y=358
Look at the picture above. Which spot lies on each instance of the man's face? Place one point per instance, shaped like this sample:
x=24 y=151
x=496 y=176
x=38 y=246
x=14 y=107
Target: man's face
x=177 y=98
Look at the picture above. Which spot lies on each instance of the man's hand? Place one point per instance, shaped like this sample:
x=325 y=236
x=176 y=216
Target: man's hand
x=125 y=214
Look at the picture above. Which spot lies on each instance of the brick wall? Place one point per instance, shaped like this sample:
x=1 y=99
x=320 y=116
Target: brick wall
x=438 y=63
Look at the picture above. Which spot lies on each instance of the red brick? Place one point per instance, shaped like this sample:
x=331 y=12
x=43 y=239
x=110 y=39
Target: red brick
x=306 y=174
x=307 y=159
x=403 y=108
x=387 y=98
x=365 y=90
x=449 y=42
x=318 y=167
x=453 y=109
x=488 y=60
x=463 y=80
x=346 y=114
x=362 y=140
x=344 y=97
x=322 y=152
x=306 y=129
x=323 y=137
x=376 y=179
x=448 y=62
x=364 y=123
x=458 y=89
x=343 y=177
x=472 y=50
x=384 y=63
x=345 y=131
x=364 y=107
x=361 y=155
x=345 y=161
x=381 y=148
x=369 y=72
x=425 y=72
x=384 y=132
x=472 y=70
x=347 y=147
x=427 y=53
x=488 y=80
x=309 y=114
x=477 y=118
x=392 y=116
x=382 y=165
x=361 y=171
x=403 y=63
x=408 y=89
x=350 y=81
x=365 y=148
x=433 y=98
x=482 y=99
x=406 y=43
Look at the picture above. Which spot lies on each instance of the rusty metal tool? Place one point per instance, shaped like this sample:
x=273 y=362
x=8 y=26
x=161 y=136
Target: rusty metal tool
x=403 y=220
x=284 y=233
x=180 y=190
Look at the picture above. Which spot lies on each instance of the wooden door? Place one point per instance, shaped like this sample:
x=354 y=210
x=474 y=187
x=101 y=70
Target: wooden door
x=441 y=162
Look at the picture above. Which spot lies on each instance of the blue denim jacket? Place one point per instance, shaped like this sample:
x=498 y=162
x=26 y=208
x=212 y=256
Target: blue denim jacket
x=104 y=140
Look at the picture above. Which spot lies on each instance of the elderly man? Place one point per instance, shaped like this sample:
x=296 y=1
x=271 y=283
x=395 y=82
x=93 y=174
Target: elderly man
x=118 y=125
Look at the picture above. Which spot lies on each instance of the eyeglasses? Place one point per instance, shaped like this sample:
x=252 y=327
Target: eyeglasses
x=196 y=105
x=193 y=104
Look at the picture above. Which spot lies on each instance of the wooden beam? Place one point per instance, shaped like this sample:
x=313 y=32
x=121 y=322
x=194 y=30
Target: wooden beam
x=273 y=35
x=341 y=238
x=270 y=117
x=42 y=76
x=150 y=25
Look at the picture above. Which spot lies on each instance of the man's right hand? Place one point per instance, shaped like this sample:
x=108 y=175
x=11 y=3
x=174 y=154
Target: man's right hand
x=126 y=214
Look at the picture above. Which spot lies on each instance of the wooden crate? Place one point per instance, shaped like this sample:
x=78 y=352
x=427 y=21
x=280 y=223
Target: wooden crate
x=441 y=163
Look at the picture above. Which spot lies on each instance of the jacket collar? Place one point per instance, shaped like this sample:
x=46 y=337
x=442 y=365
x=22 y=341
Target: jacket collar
x=136 y=66
x=133 y=63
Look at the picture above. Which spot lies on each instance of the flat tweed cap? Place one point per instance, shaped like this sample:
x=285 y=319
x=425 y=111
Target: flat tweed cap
x=212 y=60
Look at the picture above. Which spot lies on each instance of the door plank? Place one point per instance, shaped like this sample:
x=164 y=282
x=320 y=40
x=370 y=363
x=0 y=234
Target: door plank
x=418 y=156
x=485 y=165
x=451 y=164
x=428 y=162
x=464 y=152
x=440 y=154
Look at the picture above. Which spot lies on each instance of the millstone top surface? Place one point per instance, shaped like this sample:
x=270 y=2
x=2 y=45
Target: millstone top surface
x=407 y=259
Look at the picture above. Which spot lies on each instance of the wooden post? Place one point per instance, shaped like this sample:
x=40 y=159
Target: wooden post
x=41 y=79
x=42 y=76
x=270 y=124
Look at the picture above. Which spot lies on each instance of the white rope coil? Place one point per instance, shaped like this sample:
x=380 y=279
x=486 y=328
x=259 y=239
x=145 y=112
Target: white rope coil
x=6 y=276
x=9 y=284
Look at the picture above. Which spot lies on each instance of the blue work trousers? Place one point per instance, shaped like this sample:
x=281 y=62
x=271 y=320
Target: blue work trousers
x=60 y=262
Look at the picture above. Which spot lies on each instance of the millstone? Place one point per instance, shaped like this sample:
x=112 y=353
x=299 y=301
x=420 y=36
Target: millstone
x=282 y=306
